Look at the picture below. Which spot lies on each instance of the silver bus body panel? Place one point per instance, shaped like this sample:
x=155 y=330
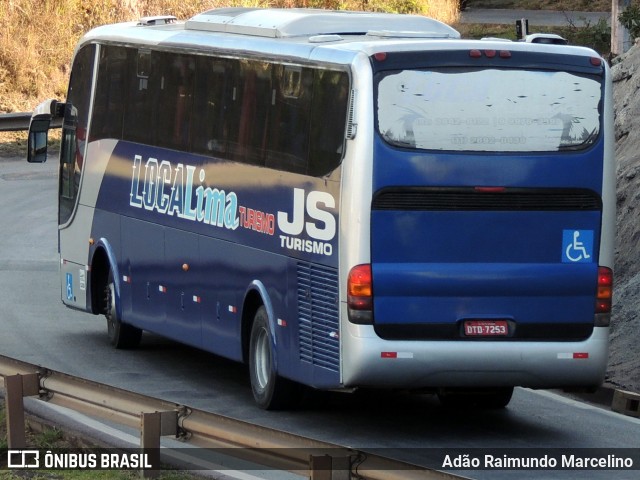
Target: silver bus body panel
x=356 y=192
x=607 y=244
x=74 y=236
x=371 y=361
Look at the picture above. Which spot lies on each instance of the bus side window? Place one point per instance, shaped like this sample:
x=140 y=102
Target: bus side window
x=139 y=124
x=74 y=131
x=108 y=110
x=328 y=121
x=215 y=95
x=251 y=112
x=288 y=145
x=176 y=85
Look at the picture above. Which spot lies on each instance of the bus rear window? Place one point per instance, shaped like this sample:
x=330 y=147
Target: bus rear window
x=488 y=110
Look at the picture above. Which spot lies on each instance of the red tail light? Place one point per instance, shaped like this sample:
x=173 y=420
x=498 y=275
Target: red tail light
x=360 y=295
x=475 y=53
x=604 y=295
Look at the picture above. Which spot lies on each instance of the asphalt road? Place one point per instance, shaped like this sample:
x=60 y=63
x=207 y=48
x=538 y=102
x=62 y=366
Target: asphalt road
x=37 y=328
x=535 y=17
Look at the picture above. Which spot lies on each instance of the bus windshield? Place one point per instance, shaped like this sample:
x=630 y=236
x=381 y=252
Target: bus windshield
x=489 y=110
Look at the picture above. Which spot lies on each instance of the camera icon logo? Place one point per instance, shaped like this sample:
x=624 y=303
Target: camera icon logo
x=23 y=459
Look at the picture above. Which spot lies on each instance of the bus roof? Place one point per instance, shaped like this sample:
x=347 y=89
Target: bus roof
x=294 y=22
x=298 y=33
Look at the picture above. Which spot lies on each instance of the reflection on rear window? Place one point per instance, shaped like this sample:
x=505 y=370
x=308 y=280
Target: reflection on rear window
x=488 y=110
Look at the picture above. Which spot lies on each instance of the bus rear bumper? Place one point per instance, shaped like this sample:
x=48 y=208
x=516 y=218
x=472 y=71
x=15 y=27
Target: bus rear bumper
x=369 y=361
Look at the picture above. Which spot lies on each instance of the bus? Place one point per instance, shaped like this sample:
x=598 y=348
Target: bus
x=341 y=200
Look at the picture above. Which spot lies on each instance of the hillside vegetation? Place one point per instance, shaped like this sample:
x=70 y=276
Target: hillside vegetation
x=558 y=5
x=37 y=38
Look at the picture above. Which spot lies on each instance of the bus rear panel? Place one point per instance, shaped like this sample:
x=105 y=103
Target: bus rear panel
x=488 y=258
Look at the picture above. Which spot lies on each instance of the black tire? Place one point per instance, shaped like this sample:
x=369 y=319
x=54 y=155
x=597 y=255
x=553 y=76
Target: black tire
x=121 y=335
x=270 y=391
x=483 y=398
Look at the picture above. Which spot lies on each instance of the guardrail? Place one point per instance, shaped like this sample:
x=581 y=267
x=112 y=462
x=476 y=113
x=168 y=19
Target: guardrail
x=156 y=418
x=15 y=122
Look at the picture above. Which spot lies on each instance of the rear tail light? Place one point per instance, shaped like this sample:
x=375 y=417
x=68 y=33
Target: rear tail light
x=475 y=53
x=604 y=296
x=360 y=295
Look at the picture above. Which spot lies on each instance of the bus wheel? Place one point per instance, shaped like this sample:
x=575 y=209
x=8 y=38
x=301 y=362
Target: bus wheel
x=120 y=334
x=484 y=398
x=270 y=391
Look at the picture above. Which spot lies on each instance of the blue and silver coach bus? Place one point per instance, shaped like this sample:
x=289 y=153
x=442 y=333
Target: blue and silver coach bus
x=341 y=200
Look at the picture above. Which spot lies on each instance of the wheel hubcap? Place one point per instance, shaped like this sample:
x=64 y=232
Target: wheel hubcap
x=262 y=359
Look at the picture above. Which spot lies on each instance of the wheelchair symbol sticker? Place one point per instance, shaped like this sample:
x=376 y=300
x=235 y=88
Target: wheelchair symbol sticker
x=69 y=286
x=577 y=246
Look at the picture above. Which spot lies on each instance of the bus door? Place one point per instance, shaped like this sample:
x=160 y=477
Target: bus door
x=486 y=211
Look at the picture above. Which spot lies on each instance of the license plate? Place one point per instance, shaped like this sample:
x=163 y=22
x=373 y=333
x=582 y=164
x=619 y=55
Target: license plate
x=486 y=328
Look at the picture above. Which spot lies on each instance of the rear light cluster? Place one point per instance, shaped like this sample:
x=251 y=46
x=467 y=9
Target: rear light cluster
x=604 y=297
x=506 y=54
x=360 y=295
x=475 y=53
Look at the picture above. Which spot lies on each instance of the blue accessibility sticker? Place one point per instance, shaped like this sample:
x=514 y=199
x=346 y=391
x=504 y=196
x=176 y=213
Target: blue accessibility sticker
x=69 y=286
x=577 y=246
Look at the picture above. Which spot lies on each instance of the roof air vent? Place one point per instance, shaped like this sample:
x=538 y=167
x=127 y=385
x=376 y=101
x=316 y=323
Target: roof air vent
x=158 y=20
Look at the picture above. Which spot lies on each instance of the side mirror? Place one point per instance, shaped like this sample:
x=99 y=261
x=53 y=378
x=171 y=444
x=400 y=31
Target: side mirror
x=39 y=129
x=38 y=138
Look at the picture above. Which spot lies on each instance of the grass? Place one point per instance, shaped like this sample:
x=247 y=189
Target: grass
x=85 y=475
x=69 y=475
x=560 y=5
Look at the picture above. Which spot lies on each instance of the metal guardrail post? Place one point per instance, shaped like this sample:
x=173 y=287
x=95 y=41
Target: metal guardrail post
x=320 y=467
x=152 y=427
x=340 y=468
x=327 y=467
x=150 y=424
x=17 y=387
